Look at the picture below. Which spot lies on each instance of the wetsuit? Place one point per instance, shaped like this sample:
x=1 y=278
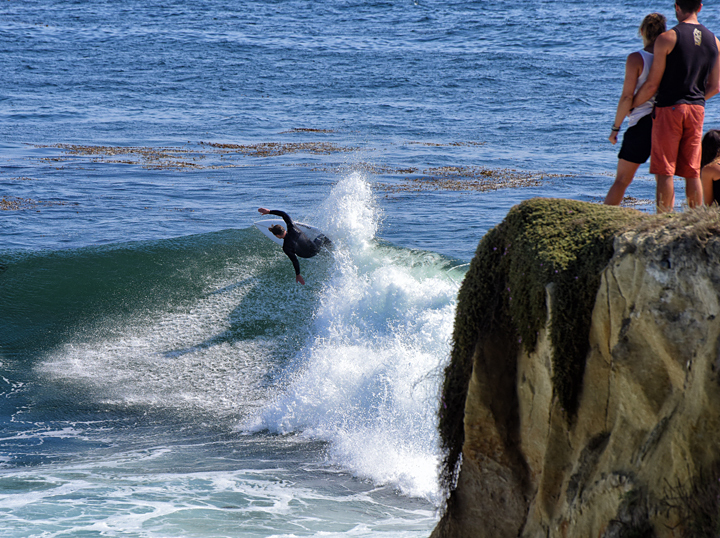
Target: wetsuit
x=296 y=243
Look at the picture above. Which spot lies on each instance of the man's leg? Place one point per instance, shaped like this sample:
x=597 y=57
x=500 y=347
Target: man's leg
x=694 y=192
x=690 y=154
x=667 y=132
x=664 y=193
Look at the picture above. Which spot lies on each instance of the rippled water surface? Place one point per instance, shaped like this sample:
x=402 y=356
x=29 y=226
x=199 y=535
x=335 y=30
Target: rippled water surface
x=162 y=374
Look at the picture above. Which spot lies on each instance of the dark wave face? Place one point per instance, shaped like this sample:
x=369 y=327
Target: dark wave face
x=84 y=331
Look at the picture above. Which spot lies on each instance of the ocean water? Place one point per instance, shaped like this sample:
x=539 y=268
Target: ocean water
x=161 y=373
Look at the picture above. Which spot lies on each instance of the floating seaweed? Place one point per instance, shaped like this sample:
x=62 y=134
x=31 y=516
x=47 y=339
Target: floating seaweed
x=274 y=149
x=631 y=201
x=306 y=130
x=216 y=155
x=469 y=178
x=15 y=203
x=449 y=144
x=371 y=168
x=152 y=158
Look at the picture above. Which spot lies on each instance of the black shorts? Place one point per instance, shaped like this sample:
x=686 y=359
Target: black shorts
x=637 y=141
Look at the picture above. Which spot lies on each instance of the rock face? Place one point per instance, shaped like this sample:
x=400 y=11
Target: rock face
x=583 y=394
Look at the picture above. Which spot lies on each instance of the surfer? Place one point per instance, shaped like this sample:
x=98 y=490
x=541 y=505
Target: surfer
x=295 y=242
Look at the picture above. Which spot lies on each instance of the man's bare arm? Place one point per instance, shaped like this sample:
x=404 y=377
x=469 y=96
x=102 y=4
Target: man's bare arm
x=713 y=83
x=664 y=45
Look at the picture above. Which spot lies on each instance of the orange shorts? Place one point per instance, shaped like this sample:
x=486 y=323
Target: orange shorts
x=677 y=141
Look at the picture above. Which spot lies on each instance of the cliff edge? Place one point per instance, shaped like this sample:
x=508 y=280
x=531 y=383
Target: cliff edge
x=582 y=397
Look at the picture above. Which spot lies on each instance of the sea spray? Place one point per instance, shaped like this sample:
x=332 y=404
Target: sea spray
x=367 y=382
x=349 y=214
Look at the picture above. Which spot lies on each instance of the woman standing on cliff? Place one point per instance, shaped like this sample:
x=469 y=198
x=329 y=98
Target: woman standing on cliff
x=635 y=149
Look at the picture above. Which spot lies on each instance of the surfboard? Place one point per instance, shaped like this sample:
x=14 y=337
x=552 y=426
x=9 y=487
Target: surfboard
x=311 y=231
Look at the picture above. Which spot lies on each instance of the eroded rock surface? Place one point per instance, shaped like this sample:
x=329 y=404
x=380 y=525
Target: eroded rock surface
x=588 y=417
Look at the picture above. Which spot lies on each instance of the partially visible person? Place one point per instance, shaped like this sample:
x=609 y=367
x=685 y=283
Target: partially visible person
x=684 y=74
x=635 y=149
x=710 y=167
x=295 y=242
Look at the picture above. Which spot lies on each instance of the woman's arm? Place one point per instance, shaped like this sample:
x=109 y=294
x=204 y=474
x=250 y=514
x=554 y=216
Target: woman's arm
x=633 y=69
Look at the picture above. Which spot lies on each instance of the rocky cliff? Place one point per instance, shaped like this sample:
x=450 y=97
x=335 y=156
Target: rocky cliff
x=583 y=393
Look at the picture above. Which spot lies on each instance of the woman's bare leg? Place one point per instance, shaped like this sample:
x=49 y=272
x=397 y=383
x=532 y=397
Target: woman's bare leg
x=625 y=174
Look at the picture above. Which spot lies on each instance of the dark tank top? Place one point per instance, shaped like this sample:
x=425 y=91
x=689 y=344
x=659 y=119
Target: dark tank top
x=716 y=192
x=688 y=66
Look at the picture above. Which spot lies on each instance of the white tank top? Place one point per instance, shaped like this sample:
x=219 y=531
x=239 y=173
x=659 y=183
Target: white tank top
x=646 y=108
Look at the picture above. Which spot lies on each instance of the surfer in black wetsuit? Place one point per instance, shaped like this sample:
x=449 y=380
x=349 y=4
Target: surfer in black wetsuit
x=295 y=242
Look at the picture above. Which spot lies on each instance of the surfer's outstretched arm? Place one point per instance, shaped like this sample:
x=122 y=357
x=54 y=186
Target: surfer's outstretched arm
x=283 y=215
x=277 y=213
x=296 y=264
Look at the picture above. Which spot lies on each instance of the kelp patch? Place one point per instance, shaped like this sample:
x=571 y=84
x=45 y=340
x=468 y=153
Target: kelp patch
x=15 y=203
x=468 y=178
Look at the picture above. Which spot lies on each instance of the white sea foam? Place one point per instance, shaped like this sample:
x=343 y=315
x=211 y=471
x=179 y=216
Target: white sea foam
x=174 y=358
x=368 y=382
x=132 y=496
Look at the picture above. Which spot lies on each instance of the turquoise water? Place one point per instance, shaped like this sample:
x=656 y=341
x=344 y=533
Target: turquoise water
x=161 y=373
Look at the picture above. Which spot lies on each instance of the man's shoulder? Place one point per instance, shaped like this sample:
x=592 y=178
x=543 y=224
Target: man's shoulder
x=670 y=33
x=688 y=27
x=665 y=42
x=705 y=28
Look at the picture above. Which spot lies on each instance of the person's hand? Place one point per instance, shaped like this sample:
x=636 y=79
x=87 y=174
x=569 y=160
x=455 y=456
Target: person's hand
x=613 y=137
x=263 y=211
x=300 y=280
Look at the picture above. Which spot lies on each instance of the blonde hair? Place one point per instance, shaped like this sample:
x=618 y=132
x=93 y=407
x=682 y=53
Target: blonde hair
x=652 y=26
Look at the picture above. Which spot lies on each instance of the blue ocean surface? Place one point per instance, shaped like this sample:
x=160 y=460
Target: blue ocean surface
x=161 y=373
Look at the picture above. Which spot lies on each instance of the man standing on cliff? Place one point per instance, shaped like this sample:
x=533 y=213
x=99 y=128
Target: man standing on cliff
x=685 y=73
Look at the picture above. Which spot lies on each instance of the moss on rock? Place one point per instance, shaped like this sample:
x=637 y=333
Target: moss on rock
x=541 y=241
